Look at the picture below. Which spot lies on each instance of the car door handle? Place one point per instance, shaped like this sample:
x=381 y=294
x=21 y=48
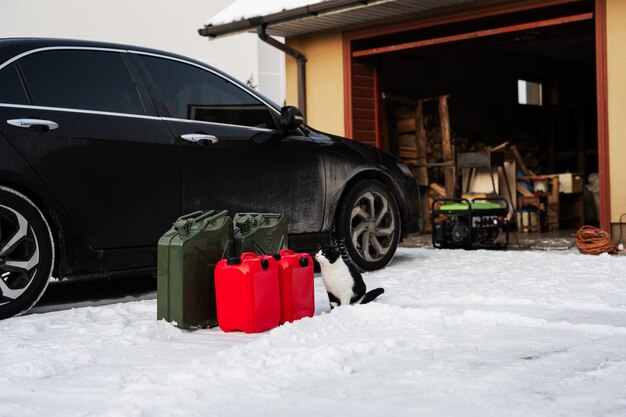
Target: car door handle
x=26 y=123
x=201 y=138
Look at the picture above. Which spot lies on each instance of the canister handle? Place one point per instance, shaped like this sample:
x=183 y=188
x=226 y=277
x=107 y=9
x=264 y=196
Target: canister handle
x=191 y=215
x=284 y=252
x=207 y=217
x=265 y=263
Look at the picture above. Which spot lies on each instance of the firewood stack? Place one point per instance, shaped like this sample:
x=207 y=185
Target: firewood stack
x=408 y=146
x=424 y=143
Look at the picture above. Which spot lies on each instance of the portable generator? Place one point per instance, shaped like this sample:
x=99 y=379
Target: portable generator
x=458 y=223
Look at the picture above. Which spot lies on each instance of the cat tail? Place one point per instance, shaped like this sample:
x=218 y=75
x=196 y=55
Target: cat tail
x=371 y=295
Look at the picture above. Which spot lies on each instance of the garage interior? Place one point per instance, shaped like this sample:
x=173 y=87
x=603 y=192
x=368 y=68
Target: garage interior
x=522 y=84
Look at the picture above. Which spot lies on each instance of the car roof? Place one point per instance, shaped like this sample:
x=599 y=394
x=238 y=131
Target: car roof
x=11 y=47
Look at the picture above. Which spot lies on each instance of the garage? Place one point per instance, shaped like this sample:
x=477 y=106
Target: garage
x=519 y=80
x=429 y=81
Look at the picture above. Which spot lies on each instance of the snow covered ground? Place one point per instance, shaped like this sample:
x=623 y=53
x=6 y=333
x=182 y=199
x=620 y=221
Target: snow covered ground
x=457 y=333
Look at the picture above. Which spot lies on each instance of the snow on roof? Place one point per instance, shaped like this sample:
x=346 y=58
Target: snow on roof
x=296 y=17
x=246 y=9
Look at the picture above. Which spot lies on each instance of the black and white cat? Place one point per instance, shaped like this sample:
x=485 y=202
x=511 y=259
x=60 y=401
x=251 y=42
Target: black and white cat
x=342 y=279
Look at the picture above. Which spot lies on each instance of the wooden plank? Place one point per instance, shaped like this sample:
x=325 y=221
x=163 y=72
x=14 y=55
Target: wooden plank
x=367 y=135
x=363 y=92
x=362 y=80
x=410 y=102
x=420 y=145
x=602 y=94
x=363 y=102
x=446 y=146
x=359 y=69
x=434 y=164
x=405 y=125
x=473 y=35
x=498 y=147
x=363 y=110
x=523 y=190
x=444 y=122
x=405 y=152
x=364 y=122
x=438 y=189
x=407 y=140
x=440 y=164
x=519 y=161
x=377 y=100
x=385 y=134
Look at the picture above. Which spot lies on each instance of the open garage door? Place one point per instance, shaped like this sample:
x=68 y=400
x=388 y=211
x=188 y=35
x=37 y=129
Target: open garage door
x=520 y=79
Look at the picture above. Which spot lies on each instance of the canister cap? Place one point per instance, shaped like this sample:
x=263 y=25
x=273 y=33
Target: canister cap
x=265 y=264
x=183 y=226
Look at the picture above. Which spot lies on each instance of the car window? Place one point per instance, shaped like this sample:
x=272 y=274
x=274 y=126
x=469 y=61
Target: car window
x=193 y=93
x=11 y=89
x=81 y=79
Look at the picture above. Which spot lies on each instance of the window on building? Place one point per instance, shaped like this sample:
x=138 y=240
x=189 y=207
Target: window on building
x=529 y=93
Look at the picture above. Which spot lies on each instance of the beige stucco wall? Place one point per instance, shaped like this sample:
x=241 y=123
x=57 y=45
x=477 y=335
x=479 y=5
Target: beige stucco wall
x=324 y=80
x=616 y=57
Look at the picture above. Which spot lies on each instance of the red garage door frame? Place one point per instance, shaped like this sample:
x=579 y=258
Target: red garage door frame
x=601 y=77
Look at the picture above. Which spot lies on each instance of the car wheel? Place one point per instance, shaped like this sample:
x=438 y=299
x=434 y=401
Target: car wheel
x=368 y=225
x=26 y=253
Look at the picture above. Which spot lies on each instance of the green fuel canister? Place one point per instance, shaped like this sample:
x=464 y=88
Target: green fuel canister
x=186 y=259
x=262 y=233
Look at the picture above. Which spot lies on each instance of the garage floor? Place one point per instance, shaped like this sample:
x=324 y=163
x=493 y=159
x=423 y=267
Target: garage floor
x=559 y=240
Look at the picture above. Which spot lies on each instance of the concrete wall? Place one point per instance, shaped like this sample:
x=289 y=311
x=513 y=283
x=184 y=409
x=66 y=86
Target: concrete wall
x=324 y=80
x=160 y=24
x=271 y=71
x=616 y=52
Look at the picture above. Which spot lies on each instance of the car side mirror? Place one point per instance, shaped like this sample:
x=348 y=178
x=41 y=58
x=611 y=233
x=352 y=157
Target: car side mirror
x=290 y=119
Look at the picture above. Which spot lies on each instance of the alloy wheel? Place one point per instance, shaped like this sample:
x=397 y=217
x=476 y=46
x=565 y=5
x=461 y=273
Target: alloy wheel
x=372 y=226
x=19 y=255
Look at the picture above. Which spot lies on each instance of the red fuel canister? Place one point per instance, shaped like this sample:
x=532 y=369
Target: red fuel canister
x=295 y=271
x=247 y=293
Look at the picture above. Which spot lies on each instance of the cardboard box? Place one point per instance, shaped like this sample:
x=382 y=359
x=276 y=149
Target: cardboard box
x=570 y=183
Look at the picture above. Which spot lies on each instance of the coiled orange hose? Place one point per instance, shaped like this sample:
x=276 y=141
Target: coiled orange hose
x=594 y=241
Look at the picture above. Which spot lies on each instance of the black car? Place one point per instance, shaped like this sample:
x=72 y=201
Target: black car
x=102 y=146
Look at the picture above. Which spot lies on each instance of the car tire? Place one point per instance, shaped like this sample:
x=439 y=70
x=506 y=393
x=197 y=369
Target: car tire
x=26 y=253
x=368 y=225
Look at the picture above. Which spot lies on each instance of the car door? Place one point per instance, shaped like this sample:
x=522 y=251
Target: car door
x=215 y=123
x=92 y=135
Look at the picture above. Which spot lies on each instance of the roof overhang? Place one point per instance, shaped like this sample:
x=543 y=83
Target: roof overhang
x=322 y=15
